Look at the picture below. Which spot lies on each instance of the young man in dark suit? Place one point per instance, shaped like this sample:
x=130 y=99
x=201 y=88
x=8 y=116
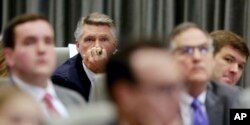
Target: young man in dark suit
x=96 y=40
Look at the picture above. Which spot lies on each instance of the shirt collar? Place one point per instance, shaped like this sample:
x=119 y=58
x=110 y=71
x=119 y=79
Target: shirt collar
x=36 y=91
x=90 y=74
x=187 y=99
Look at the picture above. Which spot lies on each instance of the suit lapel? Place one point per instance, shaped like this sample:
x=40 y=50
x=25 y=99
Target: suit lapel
x=214 y=106
x=85 y=82
x=63 y=97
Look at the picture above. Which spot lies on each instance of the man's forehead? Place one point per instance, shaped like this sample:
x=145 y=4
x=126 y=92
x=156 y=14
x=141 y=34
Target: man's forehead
x=150 y=60
x=191 y=37
x=33 y=27
x=232 y=52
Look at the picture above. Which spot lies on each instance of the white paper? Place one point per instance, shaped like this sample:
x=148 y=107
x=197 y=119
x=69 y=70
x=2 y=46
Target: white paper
x=72 y=50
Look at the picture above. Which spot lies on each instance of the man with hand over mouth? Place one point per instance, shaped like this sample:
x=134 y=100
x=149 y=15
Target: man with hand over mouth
x=96 y=40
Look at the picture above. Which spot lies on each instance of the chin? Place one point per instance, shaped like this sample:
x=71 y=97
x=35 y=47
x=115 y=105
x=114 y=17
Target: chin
x=199 y=79
x=44 y=73
x=229 y=82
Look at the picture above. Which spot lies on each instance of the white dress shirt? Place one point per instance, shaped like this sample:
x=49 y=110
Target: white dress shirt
x=91 y=75
x=39 y=92
x=187 y=110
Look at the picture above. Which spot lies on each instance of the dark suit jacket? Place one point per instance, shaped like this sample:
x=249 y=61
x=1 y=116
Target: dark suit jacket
x=220 y=98
x=71 y=75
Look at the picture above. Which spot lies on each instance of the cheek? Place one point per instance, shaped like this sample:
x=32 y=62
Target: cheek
x=221 y=66
x=110 y=49
x=23 y=60
x=239 y=74
x=184 y=64
x=82 y=48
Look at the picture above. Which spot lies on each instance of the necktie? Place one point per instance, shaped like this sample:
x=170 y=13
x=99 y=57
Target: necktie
x=50 y=107
x=199 y=117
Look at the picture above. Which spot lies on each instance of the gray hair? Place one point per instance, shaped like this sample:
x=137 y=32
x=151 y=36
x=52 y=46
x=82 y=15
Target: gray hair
x=182 y=28
x=96 y=19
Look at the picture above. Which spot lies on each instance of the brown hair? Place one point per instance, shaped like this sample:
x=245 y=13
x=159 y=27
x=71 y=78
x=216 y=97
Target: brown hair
x=3 y=65
x=226 y=38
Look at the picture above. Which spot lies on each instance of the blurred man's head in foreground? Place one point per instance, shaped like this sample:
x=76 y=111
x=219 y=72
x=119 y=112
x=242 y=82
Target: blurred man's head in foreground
x=18 y=108
x=144 y=81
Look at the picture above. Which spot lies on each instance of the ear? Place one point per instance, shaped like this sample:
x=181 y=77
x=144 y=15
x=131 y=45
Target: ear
x=9 y=56
x=77 y=46
x=123 y=93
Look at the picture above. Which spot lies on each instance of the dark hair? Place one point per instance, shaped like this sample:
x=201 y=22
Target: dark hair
x=9 y=31
x=119 y=67
x=226 y=38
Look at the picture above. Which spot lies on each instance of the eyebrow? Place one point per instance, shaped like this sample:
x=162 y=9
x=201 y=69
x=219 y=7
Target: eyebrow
x=231 y=56
x=203 y=44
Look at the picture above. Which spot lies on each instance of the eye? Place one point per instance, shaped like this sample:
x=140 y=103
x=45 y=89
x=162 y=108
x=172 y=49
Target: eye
x=228 y=60
x=241 y=66
x=89 y=39
x=29 y=41
x=104 y=39
x=203 y=49
x=49 y=41
x=187 y=50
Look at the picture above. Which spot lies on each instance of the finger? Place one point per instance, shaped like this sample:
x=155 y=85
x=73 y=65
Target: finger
x=88 y=55
x=104 y=53
x=99 y=51
x=95 y=55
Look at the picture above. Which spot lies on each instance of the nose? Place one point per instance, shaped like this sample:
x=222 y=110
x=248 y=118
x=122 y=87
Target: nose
x=197 y=54
x=97 y=43
x=234 y=68
x=41 y=46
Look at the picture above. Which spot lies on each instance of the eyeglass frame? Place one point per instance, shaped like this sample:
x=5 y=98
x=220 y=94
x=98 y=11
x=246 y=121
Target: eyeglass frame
x=174 y=48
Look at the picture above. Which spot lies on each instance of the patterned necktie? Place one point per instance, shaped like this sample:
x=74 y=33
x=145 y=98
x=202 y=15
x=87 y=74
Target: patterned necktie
x=50 y=107
x=199 y=117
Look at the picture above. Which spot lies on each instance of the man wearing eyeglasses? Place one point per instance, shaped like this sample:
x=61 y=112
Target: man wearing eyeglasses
x=205 y=102
x=144 y=81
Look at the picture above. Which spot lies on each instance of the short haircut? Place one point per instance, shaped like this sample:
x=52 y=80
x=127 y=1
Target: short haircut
x=119 y=65
x=226 y=38
x=9 y=31
x=95 y=19
x=183 y=27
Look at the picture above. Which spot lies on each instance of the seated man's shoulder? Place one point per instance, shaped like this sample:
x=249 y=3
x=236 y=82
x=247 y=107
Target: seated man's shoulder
x=224 y=89
x=68 y=95
x=69 y=64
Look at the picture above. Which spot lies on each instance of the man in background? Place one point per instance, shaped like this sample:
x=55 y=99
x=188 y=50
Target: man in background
x=230 y=56
x=29 y=49
x=96 y=40
x=204 y=102
x=144 y=81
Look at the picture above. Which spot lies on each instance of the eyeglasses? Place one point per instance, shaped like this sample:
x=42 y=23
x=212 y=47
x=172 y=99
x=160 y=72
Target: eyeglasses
x=204 y=49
